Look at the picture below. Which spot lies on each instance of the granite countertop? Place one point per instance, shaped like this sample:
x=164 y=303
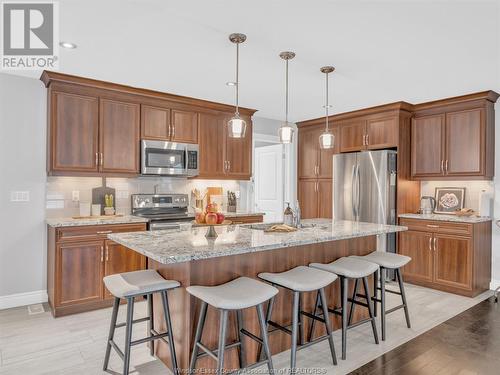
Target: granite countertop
x=453 y=218
x=190 y=244
x=70 y=222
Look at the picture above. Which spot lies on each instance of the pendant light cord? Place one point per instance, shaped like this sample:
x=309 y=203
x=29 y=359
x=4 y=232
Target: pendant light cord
x=237 y=77
x=286 y=95
x=326 y=106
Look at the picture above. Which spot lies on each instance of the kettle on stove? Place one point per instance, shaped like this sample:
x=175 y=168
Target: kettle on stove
x=427 y=205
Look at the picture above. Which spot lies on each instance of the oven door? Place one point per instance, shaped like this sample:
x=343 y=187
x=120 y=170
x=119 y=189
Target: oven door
x=163 y=158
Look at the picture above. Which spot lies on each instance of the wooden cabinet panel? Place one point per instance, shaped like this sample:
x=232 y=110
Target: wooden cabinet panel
x=79 y=272
x=239 y=154
x=418 y=246
x=155 y=123
x=453 y=261
x=325 y=199
x=211 y=135
x=119 y=136
x=308 y=198
x=352 y=135
x=427 y=138
x=325 y=167
x=74 y=132
x=382 y=133
x=465 y=148
x=245 y=219
x=119 y=259
x=308 y=160
x=184 y=126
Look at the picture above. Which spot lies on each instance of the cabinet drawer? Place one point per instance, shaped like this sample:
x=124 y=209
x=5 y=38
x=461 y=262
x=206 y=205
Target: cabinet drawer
x=95 y=231
x=462 y=229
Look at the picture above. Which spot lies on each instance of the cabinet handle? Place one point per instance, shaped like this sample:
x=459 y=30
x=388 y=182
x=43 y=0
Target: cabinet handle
x=169 y=130
x=102 y=159
x=229 y=165
x=107 y=253
x=96 y=158
x=102 y=254
x=446 y=167
x=442 y=166
x=173 y=131
x=432 y=226
x=430 y=243
x=367 y=140
x=435 y=243
x=104 y=231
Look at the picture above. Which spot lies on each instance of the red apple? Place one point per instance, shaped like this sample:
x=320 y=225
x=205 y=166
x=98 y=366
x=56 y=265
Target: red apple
x=220 y=218
x=199 y=217
x=211 y=218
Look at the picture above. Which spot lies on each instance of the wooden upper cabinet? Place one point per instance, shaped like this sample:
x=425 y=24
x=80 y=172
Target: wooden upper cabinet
x=352 y=135
x=239 y=154
x=119 y=136
x=211 y=136
x=308 y=159
x=73 y=134
x=382 y=133
x=155 y=123
x=465 y=143
x=184 y=126
x=427 y=139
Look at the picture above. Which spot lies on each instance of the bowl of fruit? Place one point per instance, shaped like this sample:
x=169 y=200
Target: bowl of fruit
x=210 y=217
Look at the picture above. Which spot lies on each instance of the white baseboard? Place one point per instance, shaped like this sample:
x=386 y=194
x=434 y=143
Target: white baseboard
x=23 y=299
x=494 y=284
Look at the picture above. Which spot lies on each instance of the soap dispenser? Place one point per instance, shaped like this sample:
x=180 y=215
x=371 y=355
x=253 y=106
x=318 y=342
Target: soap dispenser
x=288 y=215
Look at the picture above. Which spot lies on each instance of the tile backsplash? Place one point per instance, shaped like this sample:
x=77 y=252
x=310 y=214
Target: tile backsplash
x=59 y=191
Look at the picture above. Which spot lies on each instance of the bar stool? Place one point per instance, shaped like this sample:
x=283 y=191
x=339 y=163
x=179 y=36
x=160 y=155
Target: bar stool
x=127 y=286
x=298 y=280
x=387 y=261
x=235 y=295
x=349 y=268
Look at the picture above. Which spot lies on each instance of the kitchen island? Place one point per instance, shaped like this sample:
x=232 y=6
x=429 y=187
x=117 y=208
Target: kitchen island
x=243 y=250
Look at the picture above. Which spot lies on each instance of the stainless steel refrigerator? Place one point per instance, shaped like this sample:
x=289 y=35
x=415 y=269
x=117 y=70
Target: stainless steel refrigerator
x=364 y=189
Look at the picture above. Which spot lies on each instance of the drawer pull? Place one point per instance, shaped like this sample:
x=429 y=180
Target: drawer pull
x=430 y=243
x=435 y=243
x=432 y=226
x=104 y=231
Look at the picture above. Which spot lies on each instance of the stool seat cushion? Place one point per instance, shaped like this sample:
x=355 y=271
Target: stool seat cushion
x=349 y=267
x=300 y=279
x=386 y=260
x=128 y=284
x=237 y=294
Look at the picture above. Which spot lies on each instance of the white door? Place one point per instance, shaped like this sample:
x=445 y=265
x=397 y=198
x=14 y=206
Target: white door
x=269 y=182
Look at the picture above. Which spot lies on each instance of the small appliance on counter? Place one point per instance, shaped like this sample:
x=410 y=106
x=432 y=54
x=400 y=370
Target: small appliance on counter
x=164 y=211
x=427 y=205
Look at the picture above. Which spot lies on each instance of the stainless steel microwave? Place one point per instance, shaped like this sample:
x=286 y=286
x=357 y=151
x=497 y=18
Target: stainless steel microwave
x=163 y=158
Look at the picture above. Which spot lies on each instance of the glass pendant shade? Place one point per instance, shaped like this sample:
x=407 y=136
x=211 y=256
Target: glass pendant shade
x=326 y=140
x=236 y=127
x=286 y=134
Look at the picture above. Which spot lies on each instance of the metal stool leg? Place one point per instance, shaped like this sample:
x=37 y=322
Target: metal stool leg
x=370 y=311
x=375 y=293
x=222 y=341
x=112 y=327
x=241 y=350
x=403 y=296
x=312 y=325
x=171 y=344
x=150 y=323
x=343 y=292
x=128 y=335
x=351 y=309
x=295 y=323
x=269 y=313
x=265 y=341
x=383 y=275
x=301 y=322
x=197 y=337
x=328 y=327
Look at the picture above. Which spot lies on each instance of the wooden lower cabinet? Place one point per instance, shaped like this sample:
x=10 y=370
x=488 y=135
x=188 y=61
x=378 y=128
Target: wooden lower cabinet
x=77 y=260
x=454 y=257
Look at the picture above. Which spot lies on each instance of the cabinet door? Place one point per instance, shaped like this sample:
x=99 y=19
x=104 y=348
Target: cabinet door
x=326 y=156
x=155 y=123
x=427 y=146
x=79 y=272
x=453 y=261
x=465 y=143
x=119 y=136
x=308 y=198
x=239 y=154
x=382 y=133
x=184 y=126
x=324 y=188
x=211 y=143
x=120 y=259
x=418 y=246
x=74 y=133
x=352 y=135
x=308 y=154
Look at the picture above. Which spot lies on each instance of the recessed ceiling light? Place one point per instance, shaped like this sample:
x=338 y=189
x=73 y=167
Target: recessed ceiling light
x=230 y=83
x=68 y=45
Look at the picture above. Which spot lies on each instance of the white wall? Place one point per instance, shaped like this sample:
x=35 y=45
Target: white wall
x=22 y=168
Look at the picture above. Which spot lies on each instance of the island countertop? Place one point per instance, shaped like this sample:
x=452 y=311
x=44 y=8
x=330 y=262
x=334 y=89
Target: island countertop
x=176 y=246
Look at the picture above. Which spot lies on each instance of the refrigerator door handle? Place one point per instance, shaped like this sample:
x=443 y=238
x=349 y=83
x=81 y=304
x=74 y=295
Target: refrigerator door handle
x=353 y=191
x=358 y=191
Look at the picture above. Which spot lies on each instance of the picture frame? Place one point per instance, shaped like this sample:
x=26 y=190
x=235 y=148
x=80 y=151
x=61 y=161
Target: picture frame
x=449 y=200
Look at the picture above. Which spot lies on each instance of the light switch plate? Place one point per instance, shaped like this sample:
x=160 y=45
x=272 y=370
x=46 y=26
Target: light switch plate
x=75 y=195
x=19 y=196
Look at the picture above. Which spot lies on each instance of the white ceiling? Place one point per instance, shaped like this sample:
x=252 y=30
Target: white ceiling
x=383 y=51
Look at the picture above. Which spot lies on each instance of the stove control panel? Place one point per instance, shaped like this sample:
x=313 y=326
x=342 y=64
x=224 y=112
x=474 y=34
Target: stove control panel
x=159 y=201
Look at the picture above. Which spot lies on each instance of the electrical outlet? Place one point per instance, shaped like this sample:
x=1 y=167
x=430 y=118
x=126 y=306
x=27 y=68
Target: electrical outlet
x=75 y=195
x=19 y=196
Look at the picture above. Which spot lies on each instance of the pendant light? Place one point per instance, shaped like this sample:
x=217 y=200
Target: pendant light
x=286 y=131
x=237 y=126
x=327 y=139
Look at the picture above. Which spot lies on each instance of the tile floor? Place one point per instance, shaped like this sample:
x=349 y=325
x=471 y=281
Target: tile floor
x=37 y=344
